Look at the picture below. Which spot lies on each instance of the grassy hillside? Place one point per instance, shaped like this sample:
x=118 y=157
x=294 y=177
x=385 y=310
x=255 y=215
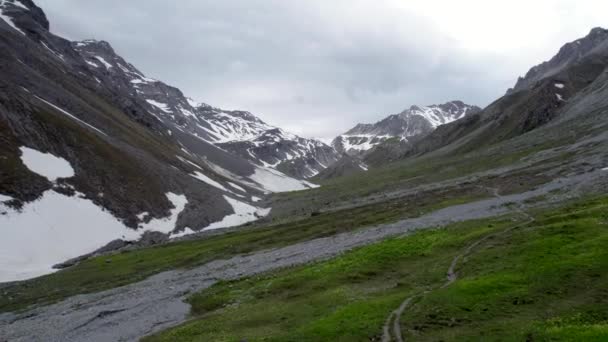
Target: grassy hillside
x=528 y=156
x=319 y=216
x=544 y=280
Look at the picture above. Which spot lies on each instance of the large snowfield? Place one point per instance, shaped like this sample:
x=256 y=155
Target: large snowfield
x=56 y=227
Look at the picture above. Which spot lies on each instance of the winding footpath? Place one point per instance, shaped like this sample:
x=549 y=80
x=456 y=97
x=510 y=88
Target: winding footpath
x=127 y=313
x=394 y=319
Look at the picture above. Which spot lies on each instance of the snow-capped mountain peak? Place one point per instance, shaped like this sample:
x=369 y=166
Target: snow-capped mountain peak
x=412 y=122
x=236 y=131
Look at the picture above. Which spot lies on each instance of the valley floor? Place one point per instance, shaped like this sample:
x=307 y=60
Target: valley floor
x=355 y=293
x=515 y=278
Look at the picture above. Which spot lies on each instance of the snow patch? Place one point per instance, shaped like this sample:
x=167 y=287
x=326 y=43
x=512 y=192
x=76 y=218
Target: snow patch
x=605 y=169
x=70 y=115
x=92 y=64
x=104 y=62
x=142 y=216
x=255 y=199
x=243 y=213
x=46 y=164
x=559 y=97
x=237 y=187
x=162 y=106
x=275 y=181
x=5 y=198
x=144 y=80
x=60 y=56
x=198 y=175
x=56 y=228
x=167 y=224
x=189 y=162
x=20 y=4
x=8 y=19
x=559 y=85
x=186 y=231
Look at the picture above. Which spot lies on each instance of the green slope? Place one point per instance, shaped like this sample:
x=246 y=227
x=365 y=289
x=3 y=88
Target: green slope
x=544 y=280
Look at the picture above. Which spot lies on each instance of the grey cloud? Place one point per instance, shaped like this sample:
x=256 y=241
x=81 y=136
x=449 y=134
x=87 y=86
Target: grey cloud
x=303 y=65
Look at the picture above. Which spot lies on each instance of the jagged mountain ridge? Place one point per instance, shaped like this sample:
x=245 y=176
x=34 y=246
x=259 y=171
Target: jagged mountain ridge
x=413 y=122
x=133 y=169
x=238 y=132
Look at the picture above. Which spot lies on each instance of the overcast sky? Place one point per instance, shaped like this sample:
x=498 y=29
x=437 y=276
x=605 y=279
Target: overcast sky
x=318 y=67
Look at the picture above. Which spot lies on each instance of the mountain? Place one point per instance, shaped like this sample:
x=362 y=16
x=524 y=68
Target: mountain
x=474 y=229
x=569 y=54
x=238 y=132
x=543 y=96
x=95 y=153
x=410 y=124
x=345 y=166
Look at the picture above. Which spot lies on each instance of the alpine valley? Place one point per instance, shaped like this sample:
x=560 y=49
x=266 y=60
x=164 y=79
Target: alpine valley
x=129 y=211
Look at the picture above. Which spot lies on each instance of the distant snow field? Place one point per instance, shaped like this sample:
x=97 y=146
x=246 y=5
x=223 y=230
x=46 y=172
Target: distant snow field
x=56 y=228
x=275 y=181
x=243 y=213
x=46 y=164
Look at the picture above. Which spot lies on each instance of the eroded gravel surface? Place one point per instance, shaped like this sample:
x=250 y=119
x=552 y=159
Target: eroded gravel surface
x=130 y=312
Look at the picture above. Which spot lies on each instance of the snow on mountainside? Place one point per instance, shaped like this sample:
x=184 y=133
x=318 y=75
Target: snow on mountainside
x=413 y=122
x=238 y=132
x=95 y=155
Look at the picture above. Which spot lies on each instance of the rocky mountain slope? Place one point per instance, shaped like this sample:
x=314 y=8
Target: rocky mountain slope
x=409 y=124
x=82 y=128
x=543 y=96
x=238 y=132
x=569 y=54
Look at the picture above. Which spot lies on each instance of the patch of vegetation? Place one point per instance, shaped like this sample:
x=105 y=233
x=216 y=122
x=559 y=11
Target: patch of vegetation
x=545 y=280
x=107 y=272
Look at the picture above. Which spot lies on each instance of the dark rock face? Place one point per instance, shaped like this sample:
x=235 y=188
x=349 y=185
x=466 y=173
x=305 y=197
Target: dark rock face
x=409 y=124
x=26 y=14
x=568 y=55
